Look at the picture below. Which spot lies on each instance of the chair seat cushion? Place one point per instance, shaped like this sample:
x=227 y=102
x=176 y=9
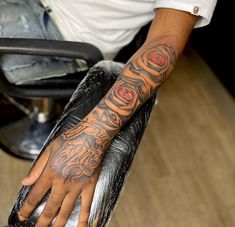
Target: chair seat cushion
x=19 y=69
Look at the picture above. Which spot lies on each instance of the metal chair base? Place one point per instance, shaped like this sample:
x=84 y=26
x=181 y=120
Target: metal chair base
x=25 y=138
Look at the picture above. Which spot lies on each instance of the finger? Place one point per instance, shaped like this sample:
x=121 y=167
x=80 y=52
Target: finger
x=66 y=209
x=37 y=169
x=34 y=197
x=52 y=206
x=87 y=197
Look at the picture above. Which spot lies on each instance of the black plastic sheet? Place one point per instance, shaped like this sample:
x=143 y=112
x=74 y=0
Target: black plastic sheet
x=118 y=159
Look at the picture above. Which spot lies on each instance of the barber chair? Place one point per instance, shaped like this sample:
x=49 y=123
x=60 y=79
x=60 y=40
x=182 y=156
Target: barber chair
x=29 y=137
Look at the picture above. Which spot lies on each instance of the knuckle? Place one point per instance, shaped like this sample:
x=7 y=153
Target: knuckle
x=32 y=200
x=55 y=202
x=66 y=214
x=48 y=213
x=83 y=222
x=87 y=209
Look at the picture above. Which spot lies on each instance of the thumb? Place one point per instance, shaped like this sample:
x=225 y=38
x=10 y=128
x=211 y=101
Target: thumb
x=37 y=169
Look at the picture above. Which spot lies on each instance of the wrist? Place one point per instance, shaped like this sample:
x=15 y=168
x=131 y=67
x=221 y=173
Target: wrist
x=105 y=119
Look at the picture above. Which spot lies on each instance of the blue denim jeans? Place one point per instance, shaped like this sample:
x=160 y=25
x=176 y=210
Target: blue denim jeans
x=29 y=19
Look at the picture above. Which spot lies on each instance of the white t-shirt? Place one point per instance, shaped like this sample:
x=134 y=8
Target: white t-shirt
x=112 y=24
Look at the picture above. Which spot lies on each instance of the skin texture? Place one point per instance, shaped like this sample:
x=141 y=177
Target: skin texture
x=70 y=165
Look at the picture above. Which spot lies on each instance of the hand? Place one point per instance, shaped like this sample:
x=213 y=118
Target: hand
x=69 y=167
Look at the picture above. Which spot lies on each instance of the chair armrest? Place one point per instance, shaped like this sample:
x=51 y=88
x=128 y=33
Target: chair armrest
x=118 y=159
x=79 y=50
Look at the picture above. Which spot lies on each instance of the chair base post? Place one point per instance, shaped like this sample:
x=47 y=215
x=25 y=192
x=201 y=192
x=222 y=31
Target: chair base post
x=25 y=138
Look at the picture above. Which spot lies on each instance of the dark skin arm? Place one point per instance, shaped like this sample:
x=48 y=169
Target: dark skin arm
x=70 y=165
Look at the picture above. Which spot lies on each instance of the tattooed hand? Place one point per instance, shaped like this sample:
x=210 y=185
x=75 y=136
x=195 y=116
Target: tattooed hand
x=71 y=170
x=72 y=161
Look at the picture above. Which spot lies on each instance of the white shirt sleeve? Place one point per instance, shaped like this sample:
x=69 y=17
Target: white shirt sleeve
x=202 y=8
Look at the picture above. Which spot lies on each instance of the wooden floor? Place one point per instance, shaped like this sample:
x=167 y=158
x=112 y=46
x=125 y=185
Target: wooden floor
x=184 y=172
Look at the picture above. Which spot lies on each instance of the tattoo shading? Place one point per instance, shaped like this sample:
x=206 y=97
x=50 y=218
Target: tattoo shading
x=81 y=152
x=83 y=147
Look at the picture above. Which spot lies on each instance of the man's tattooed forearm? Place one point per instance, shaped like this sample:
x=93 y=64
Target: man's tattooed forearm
x=139 y=81
x=84 y=146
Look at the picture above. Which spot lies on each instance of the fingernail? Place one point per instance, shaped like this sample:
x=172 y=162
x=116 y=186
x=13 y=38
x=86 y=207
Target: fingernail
x=21 y=218
x=24 y=181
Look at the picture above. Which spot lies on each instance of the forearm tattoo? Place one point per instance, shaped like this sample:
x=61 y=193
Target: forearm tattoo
x=139 y=80
x=83 y=146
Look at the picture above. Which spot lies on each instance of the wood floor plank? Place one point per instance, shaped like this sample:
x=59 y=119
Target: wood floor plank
x=12 y=171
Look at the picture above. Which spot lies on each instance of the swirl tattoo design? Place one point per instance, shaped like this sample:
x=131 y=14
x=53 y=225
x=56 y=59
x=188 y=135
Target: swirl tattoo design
x=83 y=146
x=81 y=152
